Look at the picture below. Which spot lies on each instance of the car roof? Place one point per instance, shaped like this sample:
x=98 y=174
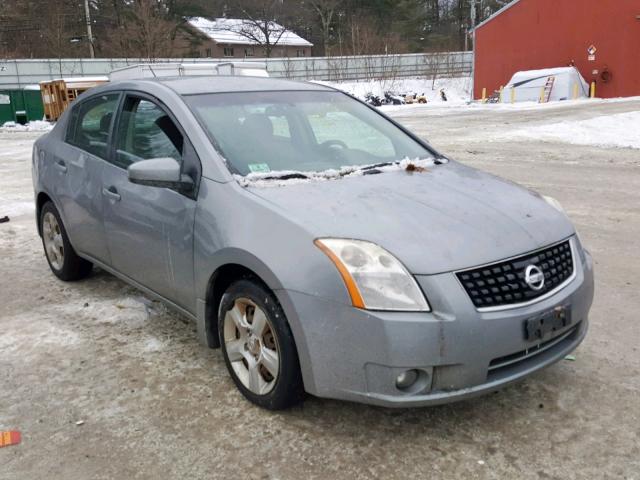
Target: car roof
x=224 y=84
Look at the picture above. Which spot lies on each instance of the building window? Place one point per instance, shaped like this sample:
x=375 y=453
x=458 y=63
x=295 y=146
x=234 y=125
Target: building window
x=248 y=52
x=208 y=54
x=301 y=52
x=228 y=51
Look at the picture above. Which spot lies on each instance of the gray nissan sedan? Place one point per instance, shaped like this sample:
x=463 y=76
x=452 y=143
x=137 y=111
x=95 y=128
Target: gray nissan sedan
x=325 y=248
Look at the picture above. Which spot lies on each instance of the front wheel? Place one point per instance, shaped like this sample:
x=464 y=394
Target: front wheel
x=258 y=346
x=63 y=259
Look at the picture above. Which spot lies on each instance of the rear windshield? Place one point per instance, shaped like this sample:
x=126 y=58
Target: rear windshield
x=302 y=131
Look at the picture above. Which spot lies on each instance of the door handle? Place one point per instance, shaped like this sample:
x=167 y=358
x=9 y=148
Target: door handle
x=60 y=165
x=112 y=193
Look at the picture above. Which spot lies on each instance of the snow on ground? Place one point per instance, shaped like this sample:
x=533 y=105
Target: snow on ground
x=33 y=126
x=16 y=191
x=619 y=130
x=458 y=89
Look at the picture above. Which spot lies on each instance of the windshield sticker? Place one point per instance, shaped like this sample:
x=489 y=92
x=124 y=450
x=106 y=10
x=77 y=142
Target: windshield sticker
x=259 y=168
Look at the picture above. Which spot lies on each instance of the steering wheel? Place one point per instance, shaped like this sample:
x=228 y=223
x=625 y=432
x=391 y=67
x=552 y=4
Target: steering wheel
x=334 y=143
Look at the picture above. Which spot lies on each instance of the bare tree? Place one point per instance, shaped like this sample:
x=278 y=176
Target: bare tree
x=150 y=30
x=366 y=39
x=258 y=23
x=326 y=9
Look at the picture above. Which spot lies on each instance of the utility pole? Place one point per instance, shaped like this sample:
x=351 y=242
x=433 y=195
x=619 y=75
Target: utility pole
x=472 y=32
x=89 y=34
x=472 y=17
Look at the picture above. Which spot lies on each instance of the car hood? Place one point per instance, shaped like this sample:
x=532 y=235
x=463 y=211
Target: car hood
x=446 y=218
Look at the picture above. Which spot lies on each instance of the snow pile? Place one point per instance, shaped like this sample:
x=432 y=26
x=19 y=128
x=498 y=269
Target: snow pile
x=458 y=89
x=131 y=311
x=620 y=130
x=33 y=126
x=293 y=177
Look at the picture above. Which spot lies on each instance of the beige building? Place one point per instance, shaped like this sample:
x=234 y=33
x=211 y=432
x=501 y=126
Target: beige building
x=237 y=38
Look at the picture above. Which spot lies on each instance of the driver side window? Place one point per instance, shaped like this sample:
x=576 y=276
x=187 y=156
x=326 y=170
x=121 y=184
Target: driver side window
x=353 y=132
x=145 y=131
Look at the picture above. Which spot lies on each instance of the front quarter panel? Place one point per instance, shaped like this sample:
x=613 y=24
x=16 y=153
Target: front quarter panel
x=234 y=226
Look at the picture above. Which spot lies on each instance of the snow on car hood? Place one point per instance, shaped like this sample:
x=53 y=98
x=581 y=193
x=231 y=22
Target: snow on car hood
x=444 y=218
x=284 y=178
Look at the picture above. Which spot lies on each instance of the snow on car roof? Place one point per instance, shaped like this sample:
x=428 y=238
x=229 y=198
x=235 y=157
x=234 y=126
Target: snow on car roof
x=240 y=31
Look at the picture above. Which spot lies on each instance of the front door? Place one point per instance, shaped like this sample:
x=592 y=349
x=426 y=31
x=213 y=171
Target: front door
x=150 y=229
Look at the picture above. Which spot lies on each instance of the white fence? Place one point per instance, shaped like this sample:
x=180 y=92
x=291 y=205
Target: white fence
x=20 y=73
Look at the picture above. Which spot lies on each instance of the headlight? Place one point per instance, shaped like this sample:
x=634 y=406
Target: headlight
x=554 y=203
x=374 y=278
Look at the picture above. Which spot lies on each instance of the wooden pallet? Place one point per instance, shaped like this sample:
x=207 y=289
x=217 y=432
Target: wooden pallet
x=57 y=95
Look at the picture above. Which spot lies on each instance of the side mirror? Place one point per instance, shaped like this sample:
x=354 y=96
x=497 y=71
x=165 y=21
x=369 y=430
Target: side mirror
x=160 y=172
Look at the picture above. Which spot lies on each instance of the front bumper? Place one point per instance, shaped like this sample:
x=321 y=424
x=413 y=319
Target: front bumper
x=351 y=354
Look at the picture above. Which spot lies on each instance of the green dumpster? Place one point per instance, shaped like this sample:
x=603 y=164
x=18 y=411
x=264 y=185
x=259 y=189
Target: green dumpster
x=33 y=103
x=7 y=112
x=21 y=106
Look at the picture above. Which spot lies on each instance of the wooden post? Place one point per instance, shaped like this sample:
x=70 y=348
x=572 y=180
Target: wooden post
x=484 y=94
x=593 y=90
x=513 y=95
x=541 y=99
x=575 y=91
x=501 y=92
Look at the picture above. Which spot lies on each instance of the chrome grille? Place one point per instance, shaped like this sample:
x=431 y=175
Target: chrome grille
x=503 y=283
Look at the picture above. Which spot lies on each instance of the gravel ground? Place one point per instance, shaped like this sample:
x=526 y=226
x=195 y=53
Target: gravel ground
x=153 y=403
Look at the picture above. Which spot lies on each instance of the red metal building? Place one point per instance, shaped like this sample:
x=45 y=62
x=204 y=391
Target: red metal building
x=601 y=37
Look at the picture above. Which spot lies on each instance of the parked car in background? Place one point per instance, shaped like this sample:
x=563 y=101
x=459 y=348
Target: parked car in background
x=323 y=246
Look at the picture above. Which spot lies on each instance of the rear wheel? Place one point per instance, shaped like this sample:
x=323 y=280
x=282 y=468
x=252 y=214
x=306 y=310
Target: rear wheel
x=63 y=260
x=258 y=346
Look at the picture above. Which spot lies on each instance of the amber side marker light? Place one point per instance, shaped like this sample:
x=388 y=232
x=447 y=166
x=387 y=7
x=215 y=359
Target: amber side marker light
x=352 y=288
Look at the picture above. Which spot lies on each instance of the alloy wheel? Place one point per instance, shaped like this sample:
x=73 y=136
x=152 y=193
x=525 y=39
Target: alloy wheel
x=53 y=244
x=251 y=346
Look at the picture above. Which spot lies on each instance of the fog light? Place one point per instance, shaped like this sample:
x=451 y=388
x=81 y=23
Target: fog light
x=406 y=379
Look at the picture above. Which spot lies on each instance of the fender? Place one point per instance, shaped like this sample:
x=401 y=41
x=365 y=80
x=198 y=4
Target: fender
x=206 y=311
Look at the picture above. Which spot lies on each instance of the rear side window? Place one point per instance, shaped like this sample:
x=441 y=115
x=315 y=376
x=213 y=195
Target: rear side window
x=91 y=122
x=145 y=131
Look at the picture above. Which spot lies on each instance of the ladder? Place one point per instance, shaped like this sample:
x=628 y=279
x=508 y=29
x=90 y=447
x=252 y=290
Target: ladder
x=546 y=94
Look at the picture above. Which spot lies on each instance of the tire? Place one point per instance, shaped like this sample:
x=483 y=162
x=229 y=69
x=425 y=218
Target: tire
x=248 y=344
x=62 y=258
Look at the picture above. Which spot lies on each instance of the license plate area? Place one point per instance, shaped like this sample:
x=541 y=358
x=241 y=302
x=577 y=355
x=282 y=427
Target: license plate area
x=545 y=325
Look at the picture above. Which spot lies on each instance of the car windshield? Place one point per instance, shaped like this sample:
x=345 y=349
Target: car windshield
x=300 y=131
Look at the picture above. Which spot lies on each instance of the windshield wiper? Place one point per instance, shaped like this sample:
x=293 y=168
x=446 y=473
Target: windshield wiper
x=378 y=165
x=372 y=169
x=285 y=176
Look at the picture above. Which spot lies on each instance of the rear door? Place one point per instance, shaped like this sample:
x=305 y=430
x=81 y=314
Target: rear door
x=149 y=229
x=76 y=172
